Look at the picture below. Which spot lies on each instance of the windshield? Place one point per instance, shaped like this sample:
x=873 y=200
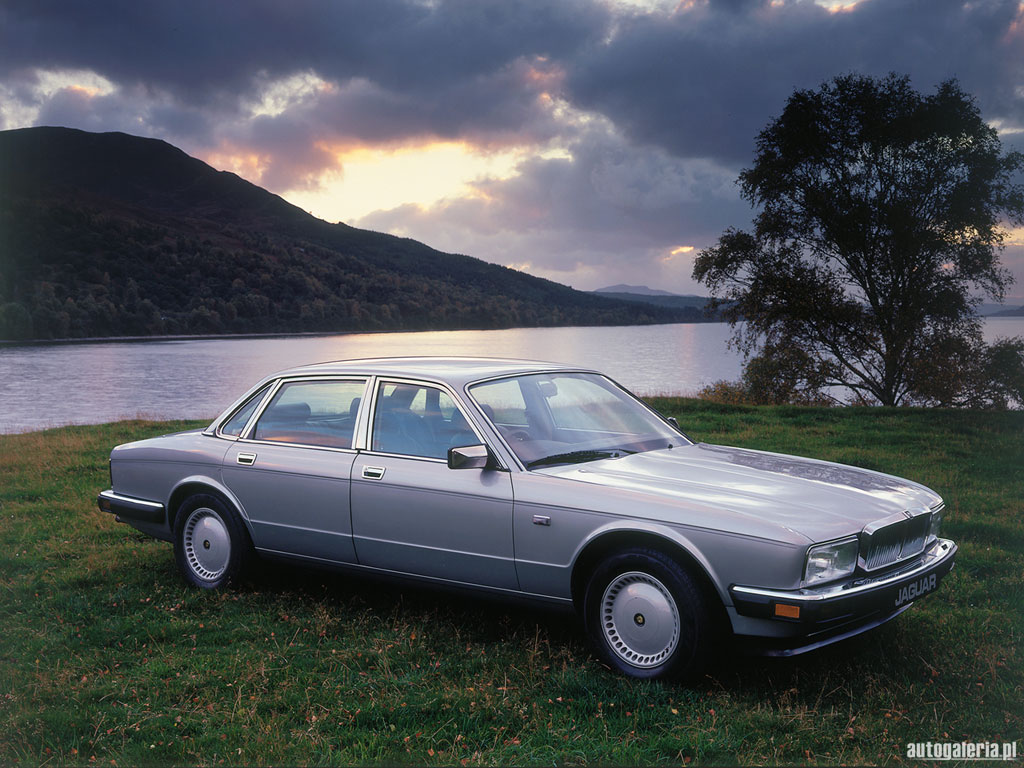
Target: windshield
x=566 y=418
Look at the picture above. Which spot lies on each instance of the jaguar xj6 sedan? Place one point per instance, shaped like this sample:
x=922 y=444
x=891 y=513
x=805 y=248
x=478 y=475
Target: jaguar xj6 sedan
x=545 y=482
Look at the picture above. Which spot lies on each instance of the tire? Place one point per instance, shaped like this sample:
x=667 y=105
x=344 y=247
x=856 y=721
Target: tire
x=211 y=545
x=647 y=616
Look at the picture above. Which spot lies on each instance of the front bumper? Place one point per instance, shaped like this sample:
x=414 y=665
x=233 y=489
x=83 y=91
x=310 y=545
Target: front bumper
x=819 y=616
x=128 y=509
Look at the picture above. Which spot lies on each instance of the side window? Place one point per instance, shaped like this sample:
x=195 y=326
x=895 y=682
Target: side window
x=320 y=413
x=236 y=423
x=418 y=420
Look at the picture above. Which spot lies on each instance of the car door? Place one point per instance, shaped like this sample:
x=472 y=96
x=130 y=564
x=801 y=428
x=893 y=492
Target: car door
x=410 y=512
x=291 y=469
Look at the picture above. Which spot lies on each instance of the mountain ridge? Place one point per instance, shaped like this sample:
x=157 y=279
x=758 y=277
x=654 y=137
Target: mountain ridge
x=108 y=234
x=638 y=290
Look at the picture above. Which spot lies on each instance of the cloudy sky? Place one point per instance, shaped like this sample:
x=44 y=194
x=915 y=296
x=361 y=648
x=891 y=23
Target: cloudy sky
x=589 y=141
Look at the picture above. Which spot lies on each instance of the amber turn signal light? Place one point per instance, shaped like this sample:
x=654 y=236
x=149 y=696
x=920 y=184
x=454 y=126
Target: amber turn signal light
x=787 y=611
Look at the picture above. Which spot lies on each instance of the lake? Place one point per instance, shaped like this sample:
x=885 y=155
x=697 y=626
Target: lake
x=54 y=384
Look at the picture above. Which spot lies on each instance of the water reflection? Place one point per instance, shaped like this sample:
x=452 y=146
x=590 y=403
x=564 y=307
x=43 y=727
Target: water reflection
x=49 y=385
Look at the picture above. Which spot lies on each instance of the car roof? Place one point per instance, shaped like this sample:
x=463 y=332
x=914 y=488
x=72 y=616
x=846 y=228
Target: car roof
x=455 y=371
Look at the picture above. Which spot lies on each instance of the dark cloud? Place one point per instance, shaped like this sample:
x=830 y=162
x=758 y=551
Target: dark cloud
x=218 y=52
x=704 y=81
x=398 y=70
x=501 y=106
x=700 y=82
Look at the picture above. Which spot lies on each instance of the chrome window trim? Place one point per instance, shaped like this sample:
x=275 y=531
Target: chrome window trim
x=235 y=407
x=361 y=440
x=380 y=381
x=249 y=441
x=258 y=410
x=245 y=437
x=431 y=459
x=251 y=425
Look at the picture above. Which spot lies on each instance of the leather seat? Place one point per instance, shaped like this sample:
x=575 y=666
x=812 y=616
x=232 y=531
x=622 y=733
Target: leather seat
x=398 y=430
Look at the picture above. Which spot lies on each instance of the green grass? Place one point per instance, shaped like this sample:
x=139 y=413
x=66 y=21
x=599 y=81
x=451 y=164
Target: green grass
x=107 y=659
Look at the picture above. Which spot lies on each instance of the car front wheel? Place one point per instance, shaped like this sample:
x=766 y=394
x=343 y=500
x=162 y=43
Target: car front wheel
x=211 y=545
x=647 y=616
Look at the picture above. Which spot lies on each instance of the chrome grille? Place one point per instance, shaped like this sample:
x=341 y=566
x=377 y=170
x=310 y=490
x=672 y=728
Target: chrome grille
x=890 y=542
x=884 y=547
x=917 y=533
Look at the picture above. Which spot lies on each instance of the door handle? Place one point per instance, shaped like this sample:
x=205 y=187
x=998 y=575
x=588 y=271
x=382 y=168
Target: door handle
x=248 y=459
x=373 y=473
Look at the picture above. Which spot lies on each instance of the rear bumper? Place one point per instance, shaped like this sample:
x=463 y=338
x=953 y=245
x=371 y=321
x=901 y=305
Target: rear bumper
x=804 y=619
x=128 y=509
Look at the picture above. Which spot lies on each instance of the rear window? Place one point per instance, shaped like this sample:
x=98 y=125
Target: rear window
x=317 y=413
x=233 y=427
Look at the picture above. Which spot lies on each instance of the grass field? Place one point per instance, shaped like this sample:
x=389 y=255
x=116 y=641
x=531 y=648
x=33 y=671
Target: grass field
x=107 y=659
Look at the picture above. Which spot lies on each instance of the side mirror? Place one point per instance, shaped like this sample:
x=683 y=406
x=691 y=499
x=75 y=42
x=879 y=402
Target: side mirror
x=673 y=421
x=469 y=457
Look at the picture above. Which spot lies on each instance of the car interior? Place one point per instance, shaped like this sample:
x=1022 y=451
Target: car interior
x=413 y=420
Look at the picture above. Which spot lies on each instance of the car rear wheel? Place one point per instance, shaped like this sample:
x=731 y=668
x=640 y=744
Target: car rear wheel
x=211 y=546
x=647 y=616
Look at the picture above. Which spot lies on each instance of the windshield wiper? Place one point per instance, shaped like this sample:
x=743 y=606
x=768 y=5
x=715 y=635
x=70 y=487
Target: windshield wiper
x=577 y=457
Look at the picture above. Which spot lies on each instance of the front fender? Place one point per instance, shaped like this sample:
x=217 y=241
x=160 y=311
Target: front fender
x=603 y=537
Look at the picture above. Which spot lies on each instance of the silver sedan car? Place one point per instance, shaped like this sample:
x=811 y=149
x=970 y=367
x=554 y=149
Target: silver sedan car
x=544 y=482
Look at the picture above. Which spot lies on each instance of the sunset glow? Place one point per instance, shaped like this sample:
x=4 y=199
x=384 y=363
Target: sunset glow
x=679 y=250
x=249 y=165
x=373 y=179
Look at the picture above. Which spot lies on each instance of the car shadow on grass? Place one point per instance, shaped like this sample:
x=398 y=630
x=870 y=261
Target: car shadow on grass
x=489 y=620
x=480 y=617
x=876 y=659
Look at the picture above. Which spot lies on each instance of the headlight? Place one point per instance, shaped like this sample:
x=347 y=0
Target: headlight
x=933 y=529
x=827 y=562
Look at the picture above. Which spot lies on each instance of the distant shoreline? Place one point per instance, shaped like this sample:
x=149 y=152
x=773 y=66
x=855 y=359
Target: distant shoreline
x=300 y=334
x=321 y=334
x=174 y=337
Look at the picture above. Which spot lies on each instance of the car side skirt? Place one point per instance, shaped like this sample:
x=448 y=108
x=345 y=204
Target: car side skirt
x=418 y=580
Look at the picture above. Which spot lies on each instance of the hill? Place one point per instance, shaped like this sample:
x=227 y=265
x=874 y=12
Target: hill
x=693 y=306
x=641 y=290
x=1017 y=312
x=111 y=235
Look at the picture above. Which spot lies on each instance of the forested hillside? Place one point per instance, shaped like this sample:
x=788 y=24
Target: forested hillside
x=115 y=235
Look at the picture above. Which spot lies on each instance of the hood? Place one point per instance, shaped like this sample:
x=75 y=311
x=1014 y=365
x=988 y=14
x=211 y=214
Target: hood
x=817 y=499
